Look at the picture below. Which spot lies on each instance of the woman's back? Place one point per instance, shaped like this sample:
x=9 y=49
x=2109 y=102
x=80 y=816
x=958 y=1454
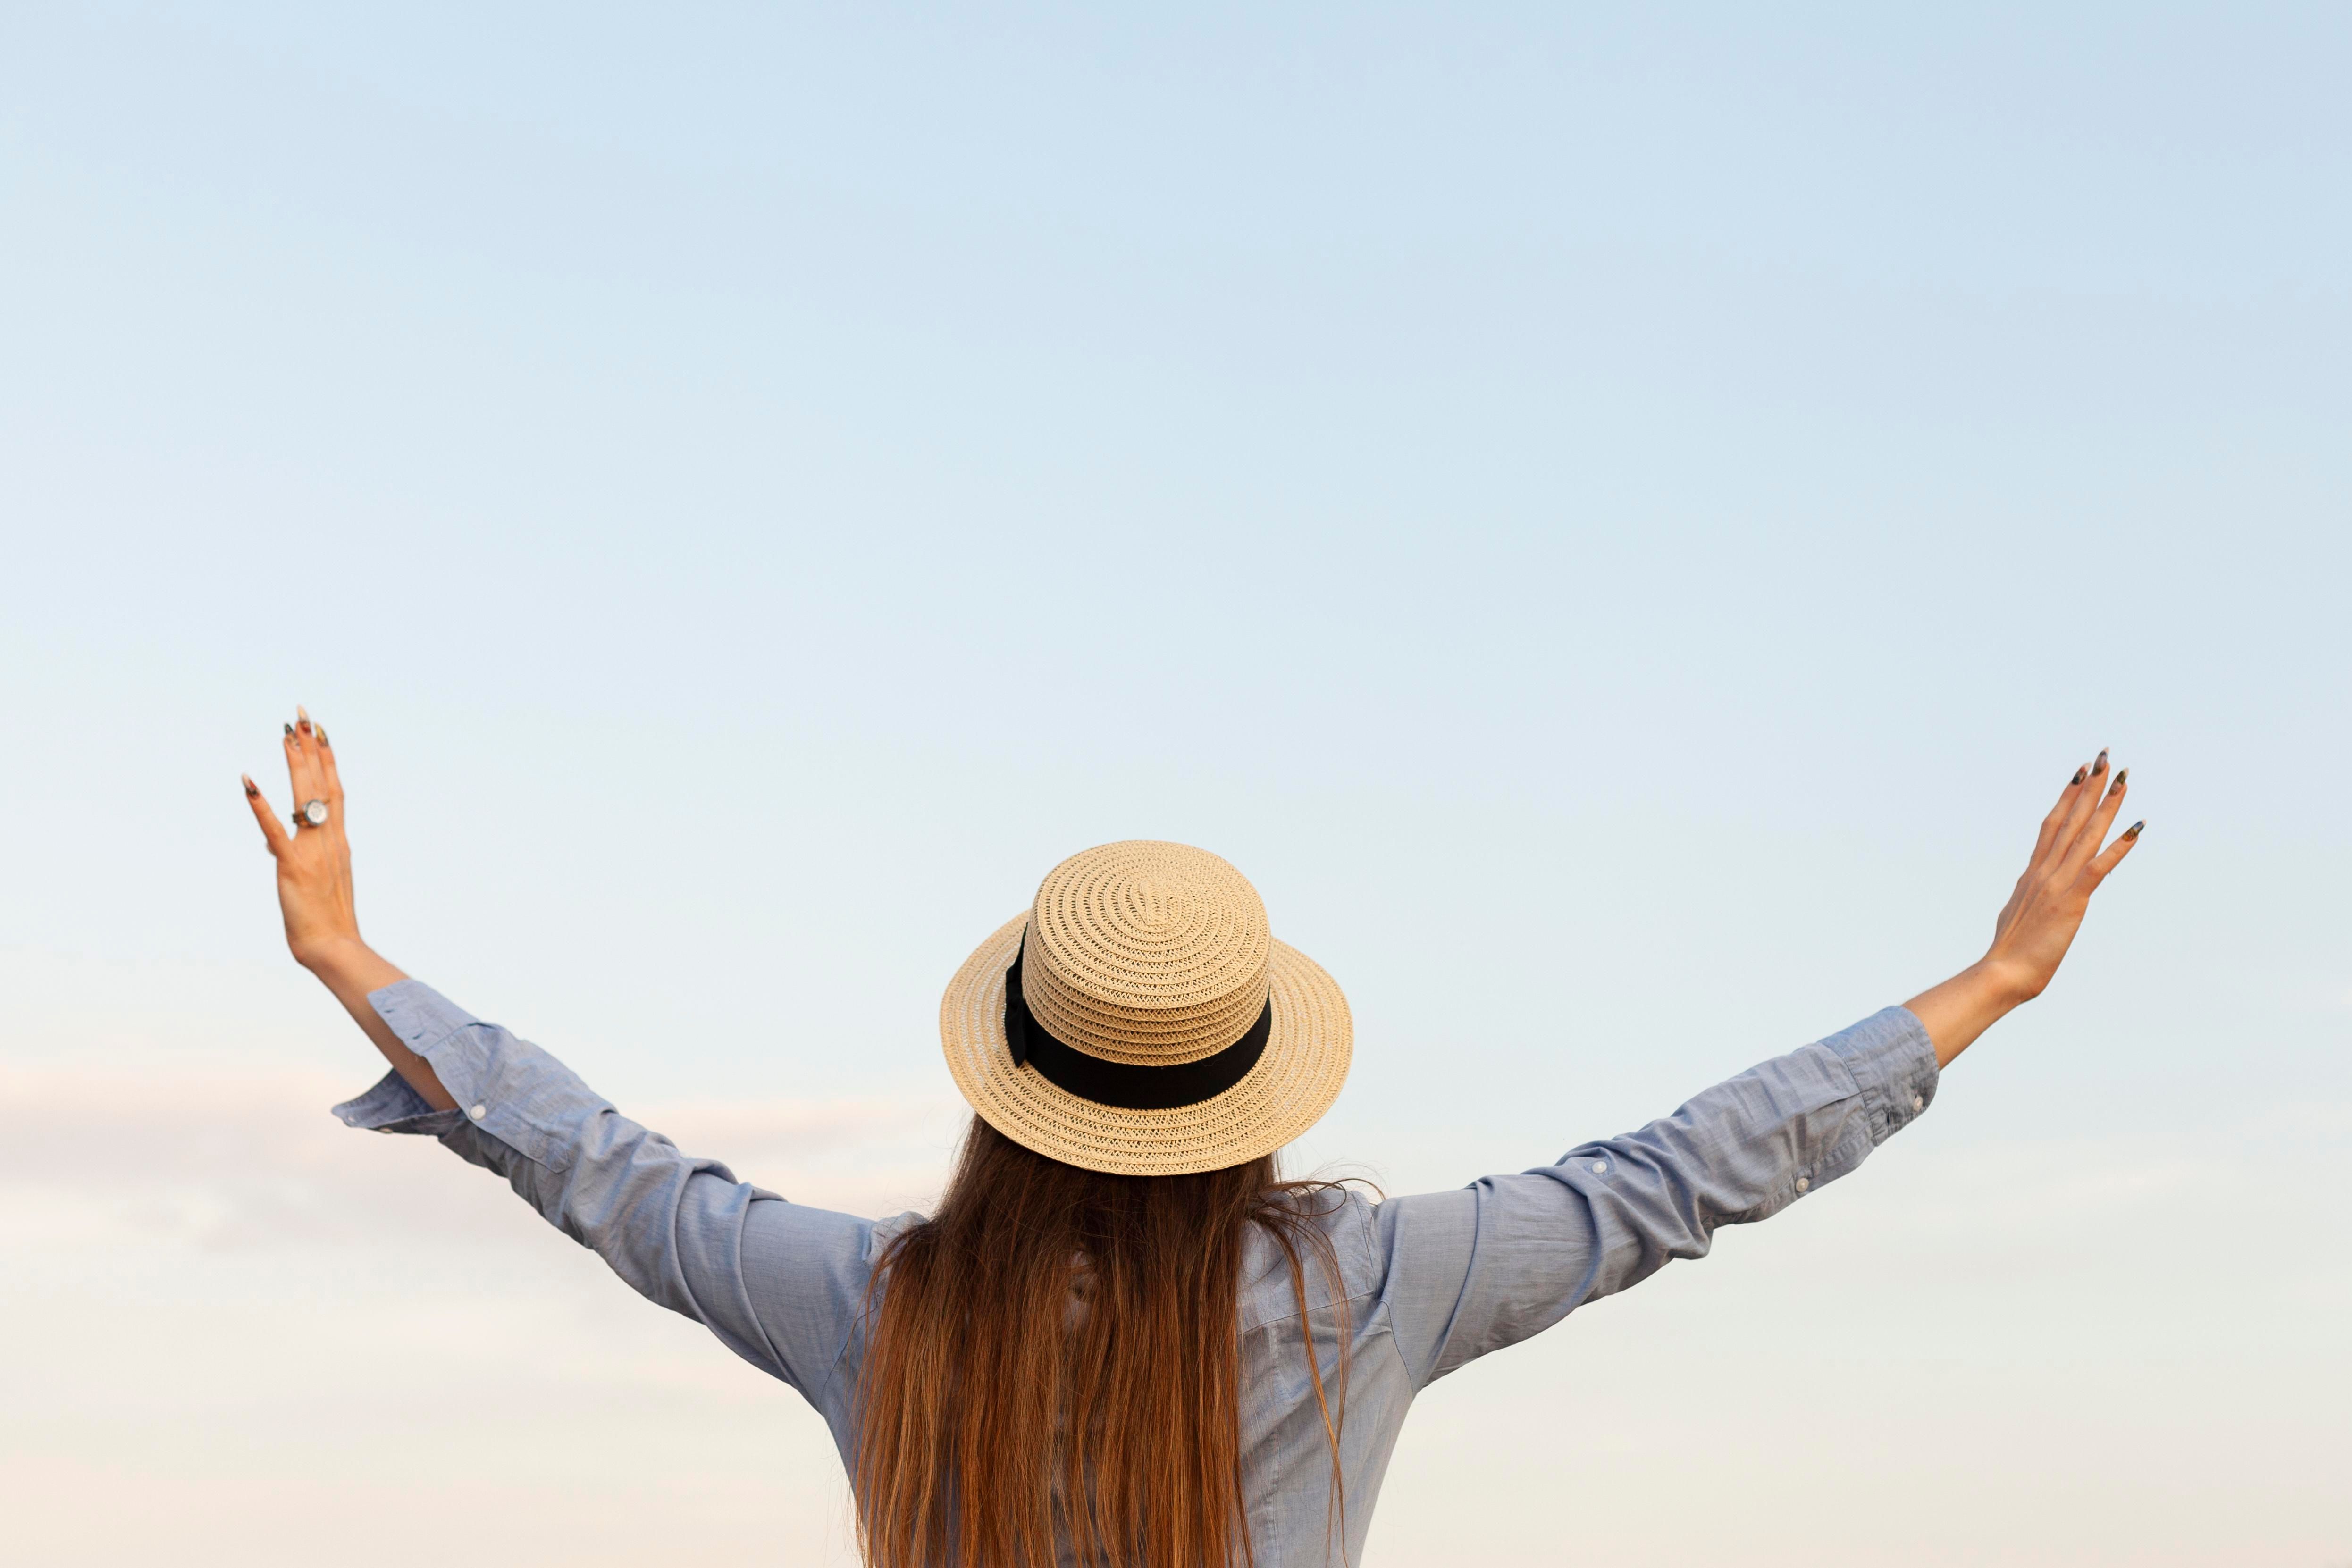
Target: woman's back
x=1426 y=1284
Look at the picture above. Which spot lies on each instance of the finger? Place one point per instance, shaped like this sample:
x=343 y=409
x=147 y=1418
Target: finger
x=2095 y=831
x=2050 y=824
x=273 y=832
x=302 y=764
x=327 y=775
x=306 y=735
x=2086 y=798
x=2113 y=855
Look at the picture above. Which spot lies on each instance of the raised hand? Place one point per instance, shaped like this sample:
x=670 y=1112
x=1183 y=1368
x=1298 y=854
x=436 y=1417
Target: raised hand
x=314 y=895
x=2038 y=924
x=314 y=859
x=2036 y=927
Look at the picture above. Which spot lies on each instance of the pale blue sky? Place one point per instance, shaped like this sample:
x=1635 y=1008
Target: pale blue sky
x=1619 y=522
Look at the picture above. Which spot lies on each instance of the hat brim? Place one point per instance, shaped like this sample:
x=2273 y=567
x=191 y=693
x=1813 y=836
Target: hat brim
x=1294 y=1083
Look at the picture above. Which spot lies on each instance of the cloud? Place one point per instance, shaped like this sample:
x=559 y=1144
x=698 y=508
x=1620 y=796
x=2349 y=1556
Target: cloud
x=255 y=1324
x=245 y=1157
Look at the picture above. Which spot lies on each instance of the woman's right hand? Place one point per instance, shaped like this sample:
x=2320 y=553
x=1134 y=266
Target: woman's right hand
x=2036 y=927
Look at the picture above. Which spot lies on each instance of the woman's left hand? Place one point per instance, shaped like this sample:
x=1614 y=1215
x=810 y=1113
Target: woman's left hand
x=314 y=895
x=314 y=862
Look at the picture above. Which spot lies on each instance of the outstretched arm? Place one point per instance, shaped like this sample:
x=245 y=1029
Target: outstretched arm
x=1473 y=1270
x=314 y=894
x=778 y=1282
x=2036 y=927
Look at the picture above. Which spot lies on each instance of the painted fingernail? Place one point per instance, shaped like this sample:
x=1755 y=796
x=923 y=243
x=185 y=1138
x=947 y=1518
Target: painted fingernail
x=2101 y=765
x=322 y=739
x=289 y=735
x=248 y=785
x=2080 y=773
x=2122 y=774
x=2133 y=832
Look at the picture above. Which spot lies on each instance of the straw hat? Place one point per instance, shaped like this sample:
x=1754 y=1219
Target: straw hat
x=1140 y=1019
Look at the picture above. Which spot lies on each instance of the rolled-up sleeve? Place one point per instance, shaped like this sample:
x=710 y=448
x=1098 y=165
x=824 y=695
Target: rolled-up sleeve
x=1473 y=1270
x=778 y=1282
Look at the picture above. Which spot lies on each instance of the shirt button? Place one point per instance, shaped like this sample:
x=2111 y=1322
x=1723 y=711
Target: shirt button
x=479 y=1112
x=1918 y=1102
x=1600 y=1167
x=1803 y=1183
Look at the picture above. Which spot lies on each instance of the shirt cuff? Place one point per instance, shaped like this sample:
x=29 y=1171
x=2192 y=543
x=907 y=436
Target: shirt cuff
x=429 y=1024
x=392 y=1107
x=1894 y=1064
x=506 y=1088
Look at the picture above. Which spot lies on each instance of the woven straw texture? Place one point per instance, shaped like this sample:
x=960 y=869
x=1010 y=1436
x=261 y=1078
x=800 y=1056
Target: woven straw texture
x=1151 y=954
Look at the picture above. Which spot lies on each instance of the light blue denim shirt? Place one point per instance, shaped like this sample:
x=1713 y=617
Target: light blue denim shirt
x=1432 y=1282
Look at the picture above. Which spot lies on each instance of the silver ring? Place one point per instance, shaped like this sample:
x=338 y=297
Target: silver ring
x=313 y=814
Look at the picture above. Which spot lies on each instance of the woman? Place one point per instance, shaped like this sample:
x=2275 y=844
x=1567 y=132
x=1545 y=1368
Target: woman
x=1122 y=1340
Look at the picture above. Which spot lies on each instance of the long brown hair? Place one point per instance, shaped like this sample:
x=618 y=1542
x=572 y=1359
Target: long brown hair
x=1057 y=1354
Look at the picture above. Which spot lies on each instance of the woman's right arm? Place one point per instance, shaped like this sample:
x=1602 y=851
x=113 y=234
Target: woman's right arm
x=1474 y=1270
x=778 y=1282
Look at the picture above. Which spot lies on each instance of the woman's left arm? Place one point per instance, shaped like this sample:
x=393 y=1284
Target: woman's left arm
x=314 y=896
x=778 y=1282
